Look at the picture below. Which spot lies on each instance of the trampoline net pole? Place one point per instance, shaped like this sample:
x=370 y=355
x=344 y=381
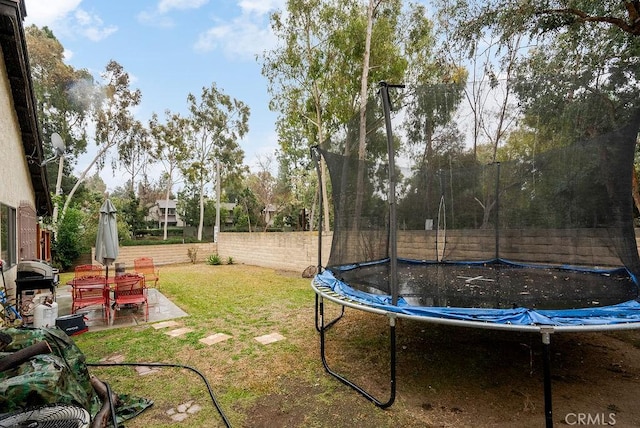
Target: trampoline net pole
x=546 y=356
x=393 y=244
x=315 y=155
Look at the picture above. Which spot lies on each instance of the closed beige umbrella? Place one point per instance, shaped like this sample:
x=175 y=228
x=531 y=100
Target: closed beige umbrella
x=107 y=239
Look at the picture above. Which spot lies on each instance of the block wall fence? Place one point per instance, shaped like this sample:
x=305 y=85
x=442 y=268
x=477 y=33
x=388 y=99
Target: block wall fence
x=161 y=254
x=295 y=251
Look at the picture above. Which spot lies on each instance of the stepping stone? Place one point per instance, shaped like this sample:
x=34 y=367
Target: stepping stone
x=183 y=407
x=164 y=324
x=113 y=359
x=179 y=417
x=145 y=370
x=269 y=338
x=194 y=409
x=215 y=338
x=183 y=411
x=179 y=332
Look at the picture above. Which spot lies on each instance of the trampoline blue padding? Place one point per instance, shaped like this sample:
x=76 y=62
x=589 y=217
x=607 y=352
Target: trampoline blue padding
x=592 y=318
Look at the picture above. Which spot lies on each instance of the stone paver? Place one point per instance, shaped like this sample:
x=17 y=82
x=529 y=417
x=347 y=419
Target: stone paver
x=215 y=338
x=183 y=411
x=179 y=332
x=145 y=370
x=113 y=359
x=165 y=324
x=269 y=338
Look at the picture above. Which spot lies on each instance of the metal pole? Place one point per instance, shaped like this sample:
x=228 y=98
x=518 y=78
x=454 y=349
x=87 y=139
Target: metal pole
x=315 y=155
x=497 y=210
x=216 y=229
x=393 y=245
x=546 y=361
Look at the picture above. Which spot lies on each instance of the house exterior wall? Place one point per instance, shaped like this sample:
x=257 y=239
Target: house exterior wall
x=16 y=185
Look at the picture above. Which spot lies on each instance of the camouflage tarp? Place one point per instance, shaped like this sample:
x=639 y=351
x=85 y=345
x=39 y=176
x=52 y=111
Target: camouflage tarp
x=60 y=377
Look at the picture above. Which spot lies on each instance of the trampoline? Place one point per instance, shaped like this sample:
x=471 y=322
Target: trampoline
x=542 y=241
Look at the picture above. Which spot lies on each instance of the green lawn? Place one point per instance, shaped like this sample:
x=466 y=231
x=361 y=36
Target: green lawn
x=446 y=376
x=249 y=380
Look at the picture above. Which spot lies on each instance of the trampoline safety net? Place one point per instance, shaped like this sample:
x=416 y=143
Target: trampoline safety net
x=541 y=218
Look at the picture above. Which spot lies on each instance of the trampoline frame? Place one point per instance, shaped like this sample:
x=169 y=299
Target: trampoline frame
x=323 y=292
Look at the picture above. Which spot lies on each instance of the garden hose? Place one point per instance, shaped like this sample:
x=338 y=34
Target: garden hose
x=206 y=382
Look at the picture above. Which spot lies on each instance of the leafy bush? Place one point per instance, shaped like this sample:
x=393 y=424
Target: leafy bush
x=67 y=246
x=158 y=232
x=133 y=243
x=214 y=259
x=230 y=260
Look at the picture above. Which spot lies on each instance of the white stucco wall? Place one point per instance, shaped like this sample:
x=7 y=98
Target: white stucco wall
x=15 y=182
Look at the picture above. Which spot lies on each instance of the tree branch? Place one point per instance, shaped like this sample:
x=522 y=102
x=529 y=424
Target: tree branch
x=631 y=27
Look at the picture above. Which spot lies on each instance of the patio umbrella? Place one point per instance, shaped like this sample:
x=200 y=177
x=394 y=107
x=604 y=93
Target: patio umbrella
x=107 y=238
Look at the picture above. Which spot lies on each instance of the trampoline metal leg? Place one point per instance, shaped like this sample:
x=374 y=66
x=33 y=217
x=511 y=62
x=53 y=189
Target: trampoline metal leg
x=392 y=343
x=546 y=361
x=320 y=315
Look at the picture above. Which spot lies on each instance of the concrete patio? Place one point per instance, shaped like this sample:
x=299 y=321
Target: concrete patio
x=160 y=309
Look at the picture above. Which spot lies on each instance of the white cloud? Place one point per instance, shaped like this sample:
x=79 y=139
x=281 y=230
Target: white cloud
x=165 y=6
x=261 y=7
x=244 y=36
x=158 y=17
x=154 y=19
x=43 y=12
x=91 y=26
x=67 y=54
x=238 y=40
x=66 y=17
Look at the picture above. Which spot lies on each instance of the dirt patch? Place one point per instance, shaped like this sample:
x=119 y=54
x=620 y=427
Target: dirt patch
x=453 y=377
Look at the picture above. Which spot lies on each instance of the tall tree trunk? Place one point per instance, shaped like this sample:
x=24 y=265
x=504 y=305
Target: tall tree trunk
x=201 y=221
x=166 y=208
x=81 y=179
x=362 y=135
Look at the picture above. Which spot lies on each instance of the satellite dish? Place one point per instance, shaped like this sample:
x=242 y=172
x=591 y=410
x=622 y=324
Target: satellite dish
x=58 y=148
x=58 y=144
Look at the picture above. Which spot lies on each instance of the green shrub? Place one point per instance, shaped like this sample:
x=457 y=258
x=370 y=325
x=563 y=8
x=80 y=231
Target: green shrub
x=160 y=241
x=214 y=259
x=230 y=260
x=67 y=246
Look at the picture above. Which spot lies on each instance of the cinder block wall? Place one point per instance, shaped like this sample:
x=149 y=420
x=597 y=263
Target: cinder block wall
x=162 y=254
x=578 y=246
x=293 y=251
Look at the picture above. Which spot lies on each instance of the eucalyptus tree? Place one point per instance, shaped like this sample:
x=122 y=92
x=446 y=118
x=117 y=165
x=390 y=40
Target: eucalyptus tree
x=298 y=77
x=169 y=145
x=113 y=118
x=134 y=154
x=217 y=122
x=65 y=96
x=321 y=72
x=580 y=67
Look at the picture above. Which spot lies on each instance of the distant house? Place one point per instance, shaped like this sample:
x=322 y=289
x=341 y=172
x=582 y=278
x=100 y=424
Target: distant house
x=269 y=212
x=24 y=194
x=226 y=214
x=157 y=213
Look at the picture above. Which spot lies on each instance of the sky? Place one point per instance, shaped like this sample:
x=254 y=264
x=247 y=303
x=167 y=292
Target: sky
x=171 y=48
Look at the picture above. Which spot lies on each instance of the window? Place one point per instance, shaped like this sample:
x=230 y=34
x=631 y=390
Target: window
x=8 y=234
